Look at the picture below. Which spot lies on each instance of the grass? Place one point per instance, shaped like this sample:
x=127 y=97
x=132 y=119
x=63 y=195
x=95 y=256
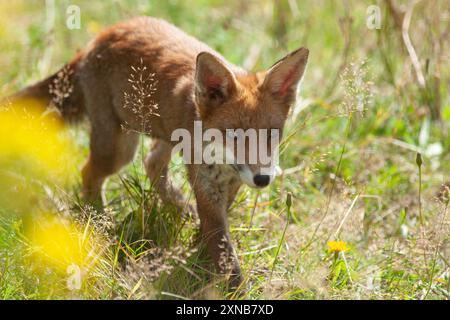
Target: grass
x=349 y=161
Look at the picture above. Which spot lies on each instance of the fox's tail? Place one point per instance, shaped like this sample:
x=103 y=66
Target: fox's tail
x=61 y=90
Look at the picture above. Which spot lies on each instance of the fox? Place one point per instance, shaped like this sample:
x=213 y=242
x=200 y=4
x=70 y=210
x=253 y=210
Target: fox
x=192 y=83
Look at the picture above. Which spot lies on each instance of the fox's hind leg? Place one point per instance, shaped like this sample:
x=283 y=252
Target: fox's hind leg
x=156 y=165
x=111 y=148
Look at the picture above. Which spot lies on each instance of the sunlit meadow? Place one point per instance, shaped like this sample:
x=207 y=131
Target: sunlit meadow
x=360 y=210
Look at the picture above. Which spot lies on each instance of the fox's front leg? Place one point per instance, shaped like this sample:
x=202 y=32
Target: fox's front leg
x=214 y=186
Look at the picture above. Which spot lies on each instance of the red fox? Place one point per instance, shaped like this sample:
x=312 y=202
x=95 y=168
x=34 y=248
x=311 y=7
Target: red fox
x=192 y=82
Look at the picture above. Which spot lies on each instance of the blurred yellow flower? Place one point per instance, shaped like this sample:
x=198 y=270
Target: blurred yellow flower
x=27 y=135
x=34 y=147
x=337 y=246
x=60 y=243
x=93 y=27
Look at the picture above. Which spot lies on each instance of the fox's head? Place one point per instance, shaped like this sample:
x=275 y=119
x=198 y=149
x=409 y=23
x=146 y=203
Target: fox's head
x=229 y=99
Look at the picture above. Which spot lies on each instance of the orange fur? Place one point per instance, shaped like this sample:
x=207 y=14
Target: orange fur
x=193 y=82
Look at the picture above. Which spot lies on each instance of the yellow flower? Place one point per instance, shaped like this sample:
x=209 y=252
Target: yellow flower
x=337 y=246
x=60 y=243
x=94 y=27
x=29 y=136
x=34 y=148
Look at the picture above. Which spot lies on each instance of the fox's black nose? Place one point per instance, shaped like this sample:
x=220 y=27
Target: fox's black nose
x=261 y=180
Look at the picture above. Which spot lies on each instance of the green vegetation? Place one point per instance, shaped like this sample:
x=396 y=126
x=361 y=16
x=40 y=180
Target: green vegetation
x=349 y=159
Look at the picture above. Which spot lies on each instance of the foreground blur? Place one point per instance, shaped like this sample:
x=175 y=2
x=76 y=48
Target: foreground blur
x=37 y=159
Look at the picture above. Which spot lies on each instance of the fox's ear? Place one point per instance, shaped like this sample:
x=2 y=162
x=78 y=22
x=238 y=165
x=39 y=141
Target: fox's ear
x=214 y=82
x=284 y=77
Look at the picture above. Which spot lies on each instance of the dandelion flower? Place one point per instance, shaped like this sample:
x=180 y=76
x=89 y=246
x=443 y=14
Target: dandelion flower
x=337 y=246
x=59 y=243
x=34 y=149
x=33 y=143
